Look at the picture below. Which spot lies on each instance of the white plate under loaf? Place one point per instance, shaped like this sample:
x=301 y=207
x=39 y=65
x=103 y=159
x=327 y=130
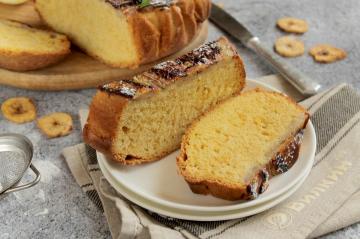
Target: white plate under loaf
x=159 y=181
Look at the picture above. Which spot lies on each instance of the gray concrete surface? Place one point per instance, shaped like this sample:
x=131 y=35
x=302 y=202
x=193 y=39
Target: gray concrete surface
x=57 y=208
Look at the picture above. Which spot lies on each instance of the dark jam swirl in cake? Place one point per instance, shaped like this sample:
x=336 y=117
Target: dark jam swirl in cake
x=165 y=73
x=204 y=55
x=125 y=3
x=126 y=88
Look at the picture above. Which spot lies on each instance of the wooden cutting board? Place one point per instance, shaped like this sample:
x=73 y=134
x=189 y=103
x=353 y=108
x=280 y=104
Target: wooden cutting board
x=77 y=71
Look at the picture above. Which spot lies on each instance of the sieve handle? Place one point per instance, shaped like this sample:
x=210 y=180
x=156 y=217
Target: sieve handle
x=28 y=185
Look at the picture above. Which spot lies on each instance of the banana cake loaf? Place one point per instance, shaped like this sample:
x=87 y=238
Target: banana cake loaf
x=124 y=33
x=143 y=119
x=233 y=150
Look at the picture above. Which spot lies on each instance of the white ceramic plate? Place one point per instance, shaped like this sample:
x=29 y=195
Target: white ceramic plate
x=159 y=181
x=195 y=215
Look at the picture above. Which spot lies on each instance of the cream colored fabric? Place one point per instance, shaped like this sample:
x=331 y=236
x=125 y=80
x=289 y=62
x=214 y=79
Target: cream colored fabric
x=328 y=200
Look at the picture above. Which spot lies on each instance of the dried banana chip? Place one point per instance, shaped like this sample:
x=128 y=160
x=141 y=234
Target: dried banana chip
x=289 y=47
x=326 y=53
x=19 y=110
x=55 y=124
x=292 y=25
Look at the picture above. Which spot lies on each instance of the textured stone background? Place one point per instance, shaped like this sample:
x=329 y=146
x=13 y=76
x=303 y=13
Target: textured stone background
x=57 y=208
x=330 y=21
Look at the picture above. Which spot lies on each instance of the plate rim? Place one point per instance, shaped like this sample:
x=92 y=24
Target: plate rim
x=228 y=207
x=226 y=215
x=312 y=137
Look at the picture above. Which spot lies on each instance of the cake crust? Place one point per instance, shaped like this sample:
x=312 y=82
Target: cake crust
x=27 y=61
x=281 y=162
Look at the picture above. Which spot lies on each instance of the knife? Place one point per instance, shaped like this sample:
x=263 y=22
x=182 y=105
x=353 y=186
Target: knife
x=229 y=24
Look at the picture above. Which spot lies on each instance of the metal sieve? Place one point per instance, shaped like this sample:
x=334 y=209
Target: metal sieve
x=16 y=153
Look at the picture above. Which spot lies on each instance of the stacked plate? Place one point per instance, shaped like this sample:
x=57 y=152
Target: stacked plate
x=159 y=188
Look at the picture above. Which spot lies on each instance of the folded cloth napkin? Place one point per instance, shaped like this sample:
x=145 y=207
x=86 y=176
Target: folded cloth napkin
x=327 y=201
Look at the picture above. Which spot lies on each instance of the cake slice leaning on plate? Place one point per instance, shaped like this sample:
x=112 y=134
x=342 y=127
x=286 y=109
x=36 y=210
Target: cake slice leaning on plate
x=233 y=150
x=143 y=119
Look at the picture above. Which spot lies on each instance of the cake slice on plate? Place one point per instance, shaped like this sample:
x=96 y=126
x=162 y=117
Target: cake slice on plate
x=233 y=150
x=123 y=33
x=143 y=119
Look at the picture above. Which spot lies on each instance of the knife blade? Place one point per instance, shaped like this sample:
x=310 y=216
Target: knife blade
x=229 y=24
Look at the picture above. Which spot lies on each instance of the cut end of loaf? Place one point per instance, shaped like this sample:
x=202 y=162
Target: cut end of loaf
x=144 y=119
x=229 y=151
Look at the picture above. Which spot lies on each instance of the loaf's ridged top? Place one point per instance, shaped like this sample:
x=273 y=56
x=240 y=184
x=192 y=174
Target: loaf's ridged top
x=163 y=74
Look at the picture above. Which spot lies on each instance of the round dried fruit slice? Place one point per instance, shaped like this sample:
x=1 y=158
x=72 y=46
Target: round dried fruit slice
x=326 y=53
x=289 y=47
x=19 y=110
x=55 y=124
x=292 y=25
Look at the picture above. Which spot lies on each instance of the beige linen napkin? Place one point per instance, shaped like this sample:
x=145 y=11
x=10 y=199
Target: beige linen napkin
x=327 y=201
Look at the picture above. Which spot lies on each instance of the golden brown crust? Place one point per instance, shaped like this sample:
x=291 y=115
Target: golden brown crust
x=159 y=33
x=283 y=160
x=134 y=160
x=187 y=9
x=100 y=128
x=27 y=61
x=202 y=10
x=146 y=37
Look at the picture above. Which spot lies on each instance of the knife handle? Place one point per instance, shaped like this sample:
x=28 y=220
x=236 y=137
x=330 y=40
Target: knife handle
x=299 y=80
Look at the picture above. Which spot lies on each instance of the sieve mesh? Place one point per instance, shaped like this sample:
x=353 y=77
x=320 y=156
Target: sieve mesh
x=13 y=165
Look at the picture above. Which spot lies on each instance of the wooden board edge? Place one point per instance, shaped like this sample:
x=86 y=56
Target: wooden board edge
x=93 y=79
